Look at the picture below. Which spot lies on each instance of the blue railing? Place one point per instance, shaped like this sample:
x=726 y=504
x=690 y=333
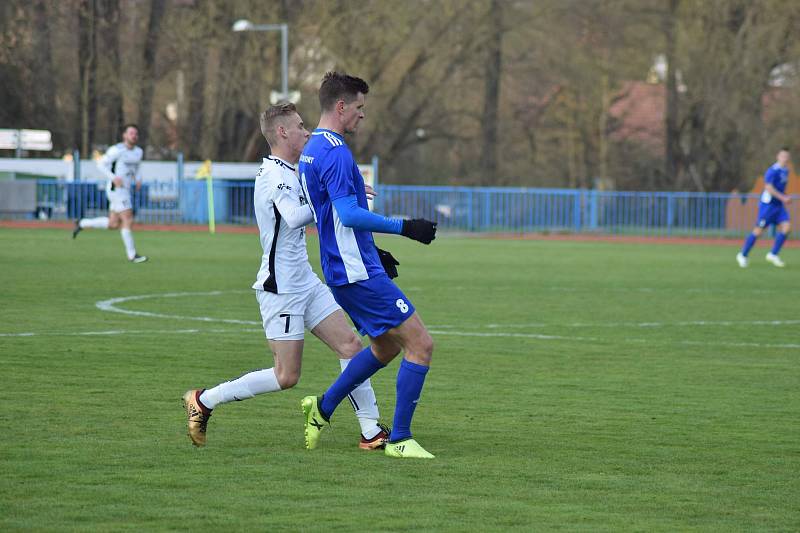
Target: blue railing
x=464 y=209
x=518 y=210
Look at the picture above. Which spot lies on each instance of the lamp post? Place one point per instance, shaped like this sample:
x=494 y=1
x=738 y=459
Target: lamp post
x=246 y=25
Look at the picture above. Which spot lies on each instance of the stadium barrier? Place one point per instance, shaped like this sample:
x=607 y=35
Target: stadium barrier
x=523 y=210
x=464 y=209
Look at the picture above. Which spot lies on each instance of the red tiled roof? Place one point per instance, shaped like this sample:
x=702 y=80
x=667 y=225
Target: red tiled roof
x=638 y=114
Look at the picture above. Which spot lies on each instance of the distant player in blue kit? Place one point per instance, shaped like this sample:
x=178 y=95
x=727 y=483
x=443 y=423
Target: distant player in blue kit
x=357 y=272
x=772 y=210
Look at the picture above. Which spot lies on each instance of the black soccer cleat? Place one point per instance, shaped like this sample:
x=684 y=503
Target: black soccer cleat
x=77 y=229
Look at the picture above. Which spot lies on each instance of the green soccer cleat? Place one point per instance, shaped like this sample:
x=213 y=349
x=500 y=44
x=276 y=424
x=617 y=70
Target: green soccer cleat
x=407 y=449
x=315 y=422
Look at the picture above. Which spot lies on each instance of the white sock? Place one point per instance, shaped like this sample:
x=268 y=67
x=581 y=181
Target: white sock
x=127 y=238
x=242 y=388
x=364 y=403
x=97 y=223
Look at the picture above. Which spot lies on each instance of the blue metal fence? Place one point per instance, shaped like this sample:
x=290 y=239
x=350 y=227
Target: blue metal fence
x=465 y=209
x=518 y=210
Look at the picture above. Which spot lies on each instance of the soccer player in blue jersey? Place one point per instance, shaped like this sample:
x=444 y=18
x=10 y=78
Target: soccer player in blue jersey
x=356 y=273
x=291 y=297
x=772 y=210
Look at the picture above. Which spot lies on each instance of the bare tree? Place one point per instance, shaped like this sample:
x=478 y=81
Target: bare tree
x=734 y=47
x=45 y=89
x=672 y=133
x=469 y=92
x=152 y=36
x=87 y=66
x=111 y=88
x=491 y=100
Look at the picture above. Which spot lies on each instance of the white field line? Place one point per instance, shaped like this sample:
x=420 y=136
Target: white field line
x=680 y=323
x=112 y=332
x=691 y=290
x=535 y=336
x=110 y=305
x=671 y=290
x=595 y=339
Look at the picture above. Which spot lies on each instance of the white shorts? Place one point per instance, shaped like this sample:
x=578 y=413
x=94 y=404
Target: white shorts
x=119 y=200
x=286 y=316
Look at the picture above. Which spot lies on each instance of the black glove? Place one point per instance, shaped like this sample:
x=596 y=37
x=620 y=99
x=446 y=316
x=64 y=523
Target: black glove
x=419 y=229
x=389 y=263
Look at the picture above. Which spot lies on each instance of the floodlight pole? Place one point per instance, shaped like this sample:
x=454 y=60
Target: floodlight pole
x=246 y=25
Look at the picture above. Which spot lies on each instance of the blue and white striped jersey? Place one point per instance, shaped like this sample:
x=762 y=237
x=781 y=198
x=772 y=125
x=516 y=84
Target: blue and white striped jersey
x=778 y=177
x=329 y=172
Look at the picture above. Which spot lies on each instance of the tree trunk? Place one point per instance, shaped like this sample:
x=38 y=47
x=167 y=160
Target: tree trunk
x=698 y=159
x=605 y=104
x=209 y=134
x=45 y=113
x=87 y=65
x=112 y=88
x=149 y=69
x=192 y=120
x=672 y=133
x=491 y=101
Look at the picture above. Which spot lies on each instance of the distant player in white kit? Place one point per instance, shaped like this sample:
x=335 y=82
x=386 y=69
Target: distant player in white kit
x=290 y=295
x=121 y=165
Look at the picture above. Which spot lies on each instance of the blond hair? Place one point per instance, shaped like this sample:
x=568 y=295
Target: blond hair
x=272 y=116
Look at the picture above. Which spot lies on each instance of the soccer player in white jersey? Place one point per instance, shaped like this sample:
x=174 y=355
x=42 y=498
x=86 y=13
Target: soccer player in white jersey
x=121 y=165
x=290 y=295
x=358 y=274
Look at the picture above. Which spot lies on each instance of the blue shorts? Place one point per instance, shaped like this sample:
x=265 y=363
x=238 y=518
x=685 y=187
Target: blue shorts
x=375 y=305
x=771 y=214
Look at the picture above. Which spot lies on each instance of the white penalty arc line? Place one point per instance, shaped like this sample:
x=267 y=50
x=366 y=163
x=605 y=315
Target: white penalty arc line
x=110 y=305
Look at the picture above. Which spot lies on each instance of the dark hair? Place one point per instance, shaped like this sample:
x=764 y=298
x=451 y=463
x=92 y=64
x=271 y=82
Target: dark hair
x=128 y=125
x=784 y=149
x=271 y=115
x=339 y=86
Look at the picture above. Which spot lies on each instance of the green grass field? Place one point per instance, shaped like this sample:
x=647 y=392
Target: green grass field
x=574 y=386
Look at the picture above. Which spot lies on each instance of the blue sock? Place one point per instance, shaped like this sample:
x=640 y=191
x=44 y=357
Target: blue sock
x=362 y=366
x=780 y=238
x=748 y=243
x=410 y=379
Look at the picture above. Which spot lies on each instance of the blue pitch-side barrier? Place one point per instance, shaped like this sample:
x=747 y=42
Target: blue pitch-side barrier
x=467 y=209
